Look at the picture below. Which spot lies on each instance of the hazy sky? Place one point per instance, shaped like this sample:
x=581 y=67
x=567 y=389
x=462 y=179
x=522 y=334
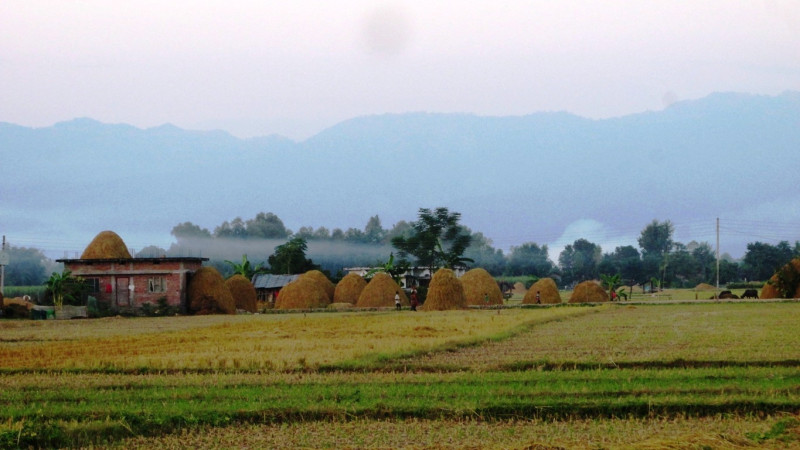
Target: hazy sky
x=294 y=68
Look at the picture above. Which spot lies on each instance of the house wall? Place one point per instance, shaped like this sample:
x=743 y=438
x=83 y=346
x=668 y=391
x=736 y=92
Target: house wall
x=115 y=291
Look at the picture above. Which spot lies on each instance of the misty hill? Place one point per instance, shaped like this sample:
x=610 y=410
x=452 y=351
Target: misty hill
x=516 y=179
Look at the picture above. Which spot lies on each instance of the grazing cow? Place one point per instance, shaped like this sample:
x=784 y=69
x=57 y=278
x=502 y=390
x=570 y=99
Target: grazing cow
x=724 y=295
x=750 y=293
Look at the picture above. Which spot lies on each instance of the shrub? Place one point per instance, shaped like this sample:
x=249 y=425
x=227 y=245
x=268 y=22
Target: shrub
x=147 y=309
x=163 y=308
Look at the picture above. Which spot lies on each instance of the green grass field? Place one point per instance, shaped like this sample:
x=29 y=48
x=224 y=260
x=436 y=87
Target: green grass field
x=705 y=375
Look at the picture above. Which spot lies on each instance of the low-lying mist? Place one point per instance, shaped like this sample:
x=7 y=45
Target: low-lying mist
x=329 y=255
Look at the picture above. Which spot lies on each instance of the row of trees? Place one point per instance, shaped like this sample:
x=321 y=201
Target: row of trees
x=437 y=238
x=659 y=259
x=269 y=226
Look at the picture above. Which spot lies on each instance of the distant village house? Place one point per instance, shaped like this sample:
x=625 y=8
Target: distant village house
x=415 y=276
x=123 y=282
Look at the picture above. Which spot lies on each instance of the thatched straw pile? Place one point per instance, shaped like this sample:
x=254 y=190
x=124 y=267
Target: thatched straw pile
x=323 y=281
x=379 y=292
x=444 y=292
x=519 y=287
x=771 y=291
x=349 y=288
x=588 y=292
x=106 y=245
x=548 y=292
x=16 y=307
x=243 y=292
x=208 y=294
x=704 y=287
x=303 y=293
x=477 y=283
x=341 y=306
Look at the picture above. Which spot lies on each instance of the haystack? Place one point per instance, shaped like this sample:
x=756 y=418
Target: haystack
x=16 y=308
x=323 y=281
x=349 y=288
x=243 y=292
x=519 y=288
x=302 y=293
x=478 y=284
x=771 y=291
x=704 y=287
x=444 y=292
x=588 y=292
x=548 y=292
x=106 y=245
x=208 y=294
x=379 y=292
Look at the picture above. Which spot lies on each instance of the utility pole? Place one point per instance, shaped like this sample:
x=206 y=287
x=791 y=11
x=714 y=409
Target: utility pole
x=716 y=293
x=3 y=264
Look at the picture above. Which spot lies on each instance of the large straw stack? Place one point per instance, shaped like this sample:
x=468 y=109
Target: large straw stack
x=380 y=291
x=208 y=294
x=478 y=284
x=302 y=293
x=243 y=292
x=349 y=288
x=106 y=245
x=588 y=292
x=548 y=292
x=323 y=281
x=771 y=291
x=444 y=292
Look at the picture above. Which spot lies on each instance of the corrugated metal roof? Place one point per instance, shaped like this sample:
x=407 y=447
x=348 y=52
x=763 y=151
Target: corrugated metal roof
x=270 y=281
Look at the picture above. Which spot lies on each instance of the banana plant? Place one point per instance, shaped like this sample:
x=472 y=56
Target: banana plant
x=610 y=282
x=395 y=271
x=246 y=269
x=63 y=286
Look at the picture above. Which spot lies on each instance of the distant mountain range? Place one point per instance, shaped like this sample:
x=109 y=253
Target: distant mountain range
x=516 y=179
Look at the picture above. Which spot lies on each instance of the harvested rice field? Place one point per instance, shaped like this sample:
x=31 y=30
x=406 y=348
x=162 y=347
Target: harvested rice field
x=706 y=375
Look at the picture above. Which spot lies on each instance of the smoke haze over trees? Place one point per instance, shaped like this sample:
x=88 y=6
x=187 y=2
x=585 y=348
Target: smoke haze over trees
x=658 y=257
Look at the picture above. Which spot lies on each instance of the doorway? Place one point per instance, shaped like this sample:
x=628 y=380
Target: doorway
x=123 y=292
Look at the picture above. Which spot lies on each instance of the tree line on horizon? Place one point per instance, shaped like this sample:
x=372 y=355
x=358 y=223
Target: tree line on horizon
x=658 y=259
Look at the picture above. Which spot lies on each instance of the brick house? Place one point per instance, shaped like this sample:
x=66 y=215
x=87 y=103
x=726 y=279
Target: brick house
x=128 y=283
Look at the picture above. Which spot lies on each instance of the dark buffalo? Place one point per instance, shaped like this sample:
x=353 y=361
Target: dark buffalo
x=750 y=293
x=724 y=295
